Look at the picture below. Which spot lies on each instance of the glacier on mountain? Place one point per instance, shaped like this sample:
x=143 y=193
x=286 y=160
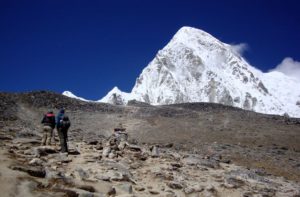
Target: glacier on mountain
x=196 y=67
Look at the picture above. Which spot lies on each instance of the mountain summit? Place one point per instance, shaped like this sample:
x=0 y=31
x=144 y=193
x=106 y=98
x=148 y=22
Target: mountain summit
x=196 y=67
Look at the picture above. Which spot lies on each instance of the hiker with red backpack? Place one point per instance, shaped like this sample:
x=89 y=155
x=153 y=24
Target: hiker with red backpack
x=62 y=126
x=49 y=124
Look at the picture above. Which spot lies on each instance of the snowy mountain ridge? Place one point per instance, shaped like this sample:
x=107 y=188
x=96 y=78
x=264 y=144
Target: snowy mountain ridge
x=116 y=97
x=71 y=95
x=196 y=67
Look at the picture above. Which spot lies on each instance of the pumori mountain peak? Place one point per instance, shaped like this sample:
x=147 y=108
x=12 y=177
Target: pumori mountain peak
x=197 y=67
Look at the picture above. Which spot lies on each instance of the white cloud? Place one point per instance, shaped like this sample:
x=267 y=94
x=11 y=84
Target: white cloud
x=289 y=67
x=240 y=48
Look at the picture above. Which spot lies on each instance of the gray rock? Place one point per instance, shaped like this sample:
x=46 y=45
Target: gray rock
x=126 y=187
x=122 y=145
x=112 y=155
x=114 y=176
x=191 y=160
x=82 y=173
x=155 y=151
x=106 y=151
x=52 y=174
x=36 y=161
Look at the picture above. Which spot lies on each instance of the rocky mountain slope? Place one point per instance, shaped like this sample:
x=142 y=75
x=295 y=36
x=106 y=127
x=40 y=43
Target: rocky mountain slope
x=196 y=67
x=191 y=149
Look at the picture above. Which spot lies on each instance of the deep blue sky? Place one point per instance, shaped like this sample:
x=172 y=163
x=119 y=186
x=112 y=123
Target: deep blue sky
x=88 y=47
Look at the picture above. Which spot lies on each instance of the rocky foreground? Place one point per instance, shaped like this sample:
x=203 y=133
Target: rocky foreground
x=116 y=166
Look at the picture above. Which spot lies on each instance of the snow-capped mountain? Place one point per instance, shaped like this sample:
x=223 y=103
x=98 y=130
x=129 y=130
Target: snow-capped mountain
x=196 y=67
x=116 y=97
x=71 y=95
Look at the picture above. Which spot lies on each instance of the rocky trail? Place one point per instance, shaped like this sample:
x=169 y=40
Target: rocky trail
x=116 y=166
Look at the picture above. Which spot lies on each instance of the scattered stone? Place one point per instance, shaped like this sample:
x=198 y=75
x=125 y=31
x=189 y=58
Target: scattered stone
x=82 y=173
x=106 y=151
x=32 y=171
x=169 y=145
x=153 y=192
x=36 y=161
x=52 y=174
x=86 y=194
x=141 y=156
x=133 y=147
x=227 y=161
x=43 y=151
x=99 y=146
x=103 y=177
x=116 y=176
x=6 y=137
x=87 y=188
x=122 y=145
x=126 y=187
x=194 y=160
x=112 y=155
x=232 y=182
x=139 y=188
x=177 y=165
x=92 y=142
x=248 y=194
x=189 y=190
x=155 y=151
x=73 y=152
x=210 y=188
x=111 y=191
x=174 y=185
x=198 y=188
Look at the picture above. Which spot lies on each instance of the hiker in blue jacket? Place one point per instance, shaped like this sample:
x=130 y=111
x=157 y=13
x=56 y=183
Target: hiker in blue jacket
x=62 y=126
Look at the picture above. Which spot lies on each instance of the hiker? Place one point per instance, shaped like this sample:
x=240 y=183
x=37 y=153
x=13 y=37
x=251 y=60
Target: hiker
x=49 y=124
x=62 y=126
